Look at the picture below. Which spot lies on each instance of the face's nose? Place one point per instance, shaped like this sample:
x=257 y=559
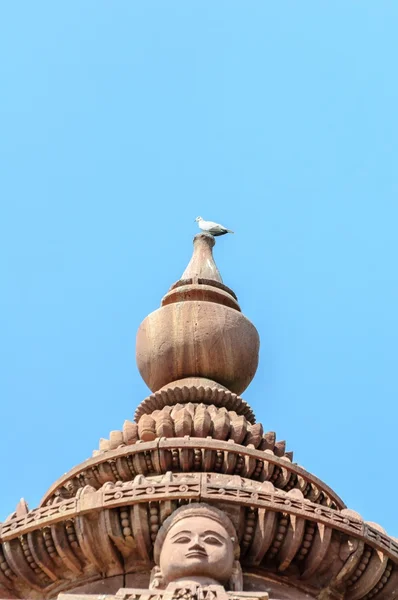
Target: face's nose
x=196 y=544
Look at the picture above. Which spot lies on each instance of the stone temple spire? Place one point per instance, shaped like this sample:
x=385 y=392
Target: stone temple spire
x=192 y=499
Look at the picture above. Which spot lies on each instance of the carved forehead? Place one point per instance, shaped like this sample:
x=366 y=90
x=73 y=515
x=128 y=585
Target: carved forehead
x=197 y=524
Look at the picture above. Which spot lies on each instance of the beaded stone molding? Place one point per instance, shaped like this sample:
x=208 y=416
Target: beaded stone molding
x=112 y=530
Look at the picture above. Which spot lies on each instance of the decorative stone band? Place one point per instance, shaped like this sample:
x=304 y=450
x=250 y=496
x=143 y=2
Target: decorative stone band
x=203 y=281
x=205 y=290
x=196 y=420
x=111 y=531
x=207 y=593
x=191 y=454
x=210 y=592
x=183 y=394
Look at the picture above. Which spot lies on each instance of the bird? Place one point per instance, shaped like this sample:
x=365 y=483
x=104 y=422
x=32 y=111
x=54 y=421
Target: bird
x=214 y=229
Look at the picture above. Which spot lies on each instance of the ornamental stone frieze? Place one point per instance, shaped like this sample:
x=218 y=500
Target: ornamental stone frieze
x=192 y=499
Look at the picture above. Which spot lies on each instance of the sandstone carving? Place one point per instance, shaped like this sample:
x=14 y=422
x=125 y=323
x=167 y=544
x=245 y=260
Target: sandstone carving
x=199 y=545
x=193 y=499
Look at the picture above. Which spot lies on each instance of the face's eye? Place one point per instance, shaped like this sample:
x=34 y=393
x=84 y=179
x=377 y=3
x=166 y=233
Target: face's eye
x=210 y=539
x=182 y=539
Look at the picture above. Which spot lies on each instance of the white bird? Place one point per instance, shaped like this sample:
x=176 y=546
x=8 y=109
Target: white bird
x=211 y=227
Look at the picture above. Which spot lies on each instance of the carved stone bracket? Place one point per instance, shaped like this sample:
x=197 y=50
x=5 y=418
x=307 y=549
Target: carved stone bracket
x=188 y=454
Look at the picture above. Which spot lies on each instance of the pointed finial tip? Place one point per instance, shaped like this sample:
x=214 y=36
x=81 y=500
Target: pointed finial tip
x=202 y=263
x=206 y=237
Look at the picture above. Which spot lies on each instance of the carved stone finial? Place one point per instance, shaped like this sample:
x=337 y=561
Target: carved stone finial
x=22 y=508
x=201 y=279
x=199 y=331
x=202 y=265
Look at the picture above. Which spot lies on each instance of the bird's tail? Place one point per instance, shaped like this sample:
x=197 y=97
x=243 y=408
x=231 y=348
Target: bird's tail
x=229 y=231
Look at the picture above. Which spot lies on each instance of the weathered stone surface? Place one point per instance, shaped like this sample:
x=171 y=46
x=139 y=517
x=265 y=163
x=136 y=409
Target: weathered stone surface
x=197 y=339
x=110 y=585
x=202 y=265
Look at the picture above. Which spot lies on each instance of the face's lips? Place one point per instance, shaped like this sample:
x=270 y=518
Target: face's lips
x=196 y=554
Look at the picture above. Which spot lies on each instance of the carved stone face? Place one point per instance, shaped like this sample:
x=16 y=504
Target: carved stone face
x=197 y=547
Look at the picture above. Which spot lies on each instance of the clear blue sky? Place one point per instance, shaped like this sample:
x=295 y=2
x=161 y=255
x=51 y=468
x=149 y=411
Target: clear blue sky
x=121 y=122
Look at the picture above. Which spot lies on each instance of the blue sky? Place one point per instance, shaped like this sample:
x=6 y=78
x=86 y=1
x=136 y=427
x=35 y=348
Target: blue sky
x=120 y=123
